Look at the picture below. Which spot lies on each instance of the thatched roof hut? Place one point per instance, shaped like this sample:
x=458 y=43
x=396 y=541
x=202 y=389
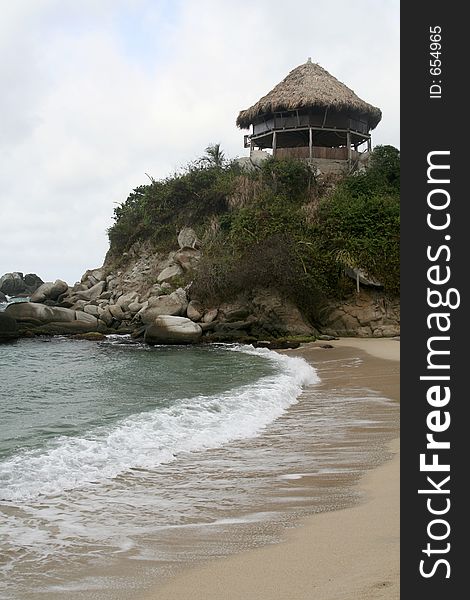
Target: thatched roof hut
x=309 y=86
x=311 y=115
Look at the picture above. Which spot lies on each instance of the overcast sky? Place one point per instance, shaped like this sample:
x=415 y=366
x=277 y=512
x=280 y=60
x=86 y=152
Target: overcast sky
x=96 y=93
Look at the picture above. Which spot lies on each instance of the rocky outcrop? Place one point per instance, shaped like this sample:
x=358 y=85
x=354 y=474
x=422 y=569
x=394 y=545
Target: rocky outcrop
x=15 y=284
x=143 y=293
x=8 y=328
x=367 y=314
x=172 y=330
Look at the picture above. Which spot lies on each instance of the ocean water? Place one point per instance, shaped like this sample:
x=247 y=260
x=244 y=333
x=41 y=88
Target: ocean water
x=85 y=427
x=121 y=462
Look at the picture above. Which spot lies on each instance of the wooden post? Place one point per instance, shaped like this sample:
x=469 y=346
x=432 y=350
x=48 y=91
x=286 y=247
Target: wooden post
x=310 y=143
x=369 y=145
x=348 y=142
x=274 y=144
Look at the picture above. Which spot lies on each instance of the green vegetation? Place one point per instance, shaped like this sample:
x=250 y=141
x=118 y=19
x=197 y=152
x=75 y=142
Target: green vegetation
x=278 y=227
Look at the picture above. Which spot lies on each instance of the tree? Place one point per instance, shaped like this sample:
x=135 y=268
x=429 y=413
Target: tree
x=215 y=156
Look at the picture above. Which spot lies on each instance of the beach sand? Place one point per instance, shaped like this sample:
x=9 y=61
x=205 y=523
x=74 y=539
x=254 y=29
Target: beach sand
x=349 y=554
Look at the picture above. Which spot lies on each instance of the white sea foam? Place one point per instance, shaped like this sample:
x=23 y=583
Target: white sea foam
x=148 y=439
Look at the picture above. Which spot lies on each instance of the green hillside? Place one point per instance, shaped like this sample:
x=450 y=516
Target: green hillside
x=277 y=227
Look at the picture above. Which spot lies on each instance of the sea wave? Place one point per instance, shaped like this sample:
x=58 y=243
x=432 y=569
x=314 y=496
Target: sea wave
x=148 y=439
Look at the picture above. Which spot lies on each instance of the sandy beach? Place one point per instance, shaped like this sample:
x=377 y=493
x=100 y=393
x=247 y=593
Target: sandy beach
x=349 y=554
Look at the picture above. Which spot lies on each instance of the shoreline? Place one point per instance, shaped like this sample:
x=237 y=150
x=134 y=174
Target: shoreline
x=346 y=554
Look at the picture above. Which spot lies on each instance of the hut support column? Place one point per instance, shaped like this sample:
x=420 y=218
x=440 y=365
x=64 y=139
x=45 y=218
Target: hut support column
x=348 y=143
x=369 y=145
x=274 y=144
x=310 y=143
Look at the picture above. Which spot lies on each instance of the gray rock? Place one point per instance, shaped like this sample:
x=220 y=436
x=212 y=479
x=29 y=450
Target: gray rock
x=8 y=328
x=86 y=318
x=49 y=291
x=32 y=282
x=169 y=273
x=210 y=315
x=187 y=238
x=107 y=317
x=92 y=293
x=12 y=283
x=163 y=305
x=172 y=330
x=126 y=299
x=116 y=311
x=279 y=316
x=79 y=305
x=30 y=311
x=15 y=284
x=195 y=310
x=91 y=309
x=94 y=276
x=134 y=307
x=3 y=298
x=52 y=320
x=188 y=258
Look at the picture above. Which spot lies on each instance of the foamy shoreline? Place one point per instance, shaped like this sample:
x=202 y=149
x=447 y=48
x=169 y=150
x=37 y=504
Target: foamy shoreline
x=351 y=554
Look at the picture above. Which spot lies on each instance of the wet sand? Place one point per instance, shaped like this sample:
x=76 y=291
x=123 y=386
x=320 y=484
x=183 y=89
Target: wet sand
x=349 y=554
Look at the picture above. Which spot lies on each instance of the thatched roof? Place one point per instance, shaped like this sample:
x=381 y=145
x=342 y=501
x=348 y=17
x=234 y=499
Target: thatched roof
x=309 y=86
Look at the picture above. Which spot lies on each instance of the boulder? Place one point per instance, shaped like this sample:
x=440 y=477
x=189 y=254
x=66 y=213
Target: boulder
x=32 y=281
x=187 y=238
x=134 y=307
x=172 y=330
x=188 y=258
x=163 y=305
x=12 y=283
x=180 y=295
x=107 y=317
x=116 y=311
x=84 y=317
x=92 y=293
x=169 y=273
x=49 y=291
x=51 y=320
x=8 y=328
x=195 y=310
x=79 y=305
x=15 y=284
x=31 y=311
x=278 y=316
x=93 y=276
x=126 y=299
x=210 y=315
x=258 y=157
x=3 y=298
x=91 y=309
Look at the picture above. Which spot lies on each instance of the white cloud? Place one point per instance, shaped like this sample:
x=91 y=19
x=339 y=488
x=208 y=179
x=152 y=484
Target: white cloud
x=98 y=94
